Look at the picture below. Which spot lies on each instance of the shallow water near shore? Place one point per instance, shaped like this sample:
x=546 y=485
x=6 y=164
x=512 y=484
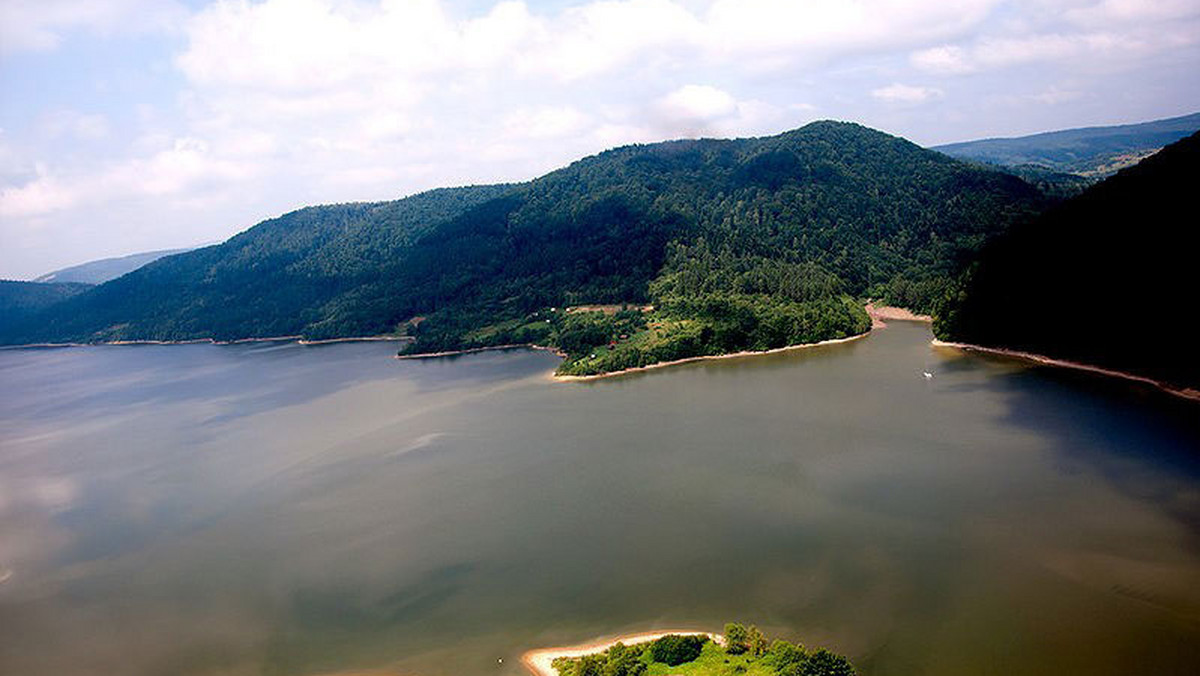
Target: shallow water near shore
x=286 y=509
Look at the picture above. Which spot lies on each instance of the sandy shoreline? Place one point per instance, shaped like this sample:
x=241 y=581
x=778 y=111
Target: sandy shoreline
x=709 y=357
x=881 y=315
x=539 y=662
x=1186 y=393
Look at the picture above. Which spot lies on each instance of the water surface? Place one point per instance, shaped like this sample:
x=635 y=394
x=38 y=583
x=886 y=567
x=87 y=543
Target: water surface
x=282 y=509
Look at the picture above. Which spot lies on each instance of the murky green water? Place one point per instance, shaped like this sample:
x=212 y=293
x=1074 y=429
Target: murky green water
x=280 y=509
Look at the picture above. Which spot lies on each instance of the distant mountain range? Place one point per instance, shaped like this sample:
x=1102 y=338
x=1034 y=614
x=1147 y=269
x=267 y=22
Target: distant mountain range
x=103 y=270
x=1092 y=152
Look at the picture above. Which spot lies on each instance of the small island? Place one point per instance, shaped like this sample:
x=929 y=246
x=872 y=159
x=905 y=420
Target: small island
x=741 y=650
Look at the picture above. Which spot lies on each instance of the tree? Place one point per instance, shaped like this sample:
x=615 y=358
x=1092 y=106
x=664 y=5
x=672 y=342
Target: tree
x=591 y=665
x=674 y=649
x=756 y=643
x=824 y=663
x=624 y=661
x=783 y=655
x=735 y=638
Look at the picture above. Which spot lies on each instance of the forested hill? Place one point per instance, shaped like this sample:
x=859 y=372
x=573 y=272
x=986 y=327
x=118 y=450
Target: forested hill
x=1107 y=278
x=840 y=207
x=274 y=279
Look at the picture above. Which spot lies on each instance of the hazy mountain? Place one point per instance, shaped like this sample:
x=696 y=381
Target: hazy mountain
x=100 y=271
x=1091 y=151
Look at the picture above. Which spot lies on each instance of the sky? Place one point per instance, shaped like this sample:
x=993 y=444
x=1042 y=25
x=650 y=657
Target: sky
x=134 y=125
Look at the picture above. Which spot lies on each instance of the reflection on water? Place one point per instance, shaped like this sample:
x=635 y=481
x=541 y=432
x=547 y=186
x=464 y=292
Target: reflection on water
x=282 y=509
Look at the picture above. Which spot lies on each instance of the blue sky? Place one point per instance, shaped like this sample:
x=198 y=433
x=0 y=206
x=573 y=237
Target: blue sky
x=132 y=125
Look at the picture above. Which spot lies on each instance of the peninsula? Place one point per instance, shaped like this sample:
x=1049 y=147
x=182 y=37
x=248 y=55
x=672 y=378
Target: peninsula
x=739 y=650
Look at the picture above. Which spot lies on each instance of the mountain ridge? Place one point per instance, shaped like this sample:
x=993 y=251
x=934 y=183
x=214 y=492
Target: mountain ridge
x=791 y=224
x=1095 y=151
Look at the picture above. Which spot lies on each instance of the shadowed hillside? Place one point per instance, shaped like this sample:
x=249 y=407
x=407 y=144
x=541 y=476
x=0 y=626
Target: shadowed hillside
x=1106 y=278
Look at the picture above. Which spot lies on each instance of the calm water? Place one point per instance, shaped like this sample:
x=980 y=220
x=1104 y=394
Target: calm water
x=279 y=509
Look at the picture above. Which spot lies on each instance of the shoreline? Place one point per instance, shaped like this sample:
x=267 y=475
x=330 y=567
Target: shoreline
x=708 y=357
x=540 y=661
x=357 y=339
x=877 y=314
x=474 y=350
x=299 y=340
x=1041 y=359
x=881 y=315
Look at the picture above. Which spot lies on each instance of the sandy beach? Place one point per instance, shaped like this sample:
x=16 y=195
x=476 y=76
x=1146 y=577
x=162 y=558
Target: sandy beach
x=1186 y=393
x=539 y=661
x=882 y=314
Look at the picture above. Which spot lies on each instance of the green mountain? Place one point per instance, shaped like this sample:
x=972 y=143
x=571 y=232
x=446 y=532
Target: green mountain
x=722 y=235
x=1093 y=152
x=1105 y=278
x=100 y=271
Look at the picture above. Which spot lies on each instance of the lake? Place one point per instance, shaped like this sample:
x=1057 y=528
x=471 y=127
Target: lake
x=274 y=508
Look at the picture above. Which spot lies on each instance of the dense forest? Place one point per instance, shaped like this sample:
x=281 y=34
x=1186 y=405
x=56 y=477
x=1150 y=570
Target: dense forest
x=277 y=278
x=746 y=651
x=1105 y=278
x=20 y=300
x=789 y=227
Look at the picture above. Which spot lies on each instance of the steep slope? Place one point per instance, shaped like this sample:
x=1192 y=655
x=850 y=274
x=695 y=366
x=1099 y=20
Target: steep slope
x=1090 y=151
x=105 y=269
x=1106 y=278
x=878 y=212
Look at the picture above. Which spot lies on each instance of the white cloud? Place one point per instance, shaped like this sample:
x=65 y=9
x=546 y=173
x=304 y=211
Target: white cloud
x=1107 y=32
x=821 y=27
x=281 y=103
x=187 y=164
x=946 y=59
x=1003 y=52
x=41 y=195
x=908 y=94
x=41 y=25
x=546 y=123
x=596 y=37
x=697 y=103
x=1114 y=13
